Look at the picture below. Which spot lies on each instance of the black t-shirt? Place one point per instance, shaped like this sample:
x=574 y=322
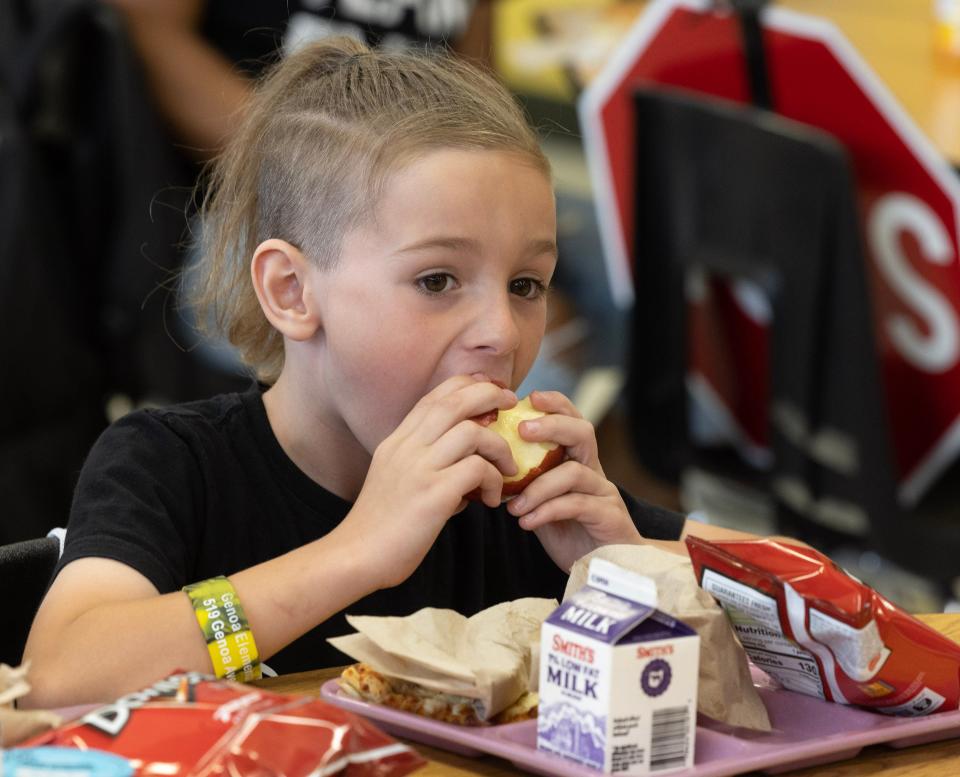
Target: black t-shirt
x=254 y=33
x=192 y=491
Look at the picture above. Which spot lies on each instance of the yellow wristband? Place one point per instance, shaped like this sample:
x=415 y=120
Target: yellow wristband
x=225 y=629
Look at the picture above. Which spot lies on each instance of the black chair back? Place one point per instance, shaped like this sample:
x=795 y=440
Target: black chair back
x=25 y=572
x=737 y=192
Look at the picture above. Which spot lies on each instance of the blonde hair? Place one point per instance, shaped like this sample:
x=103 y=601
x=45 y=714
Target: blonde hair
x=310 y=157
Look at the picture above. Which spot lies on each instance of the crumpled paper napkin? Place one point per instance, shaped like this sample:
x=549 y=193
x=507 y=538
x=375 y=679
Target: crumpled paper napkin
x=484 y=657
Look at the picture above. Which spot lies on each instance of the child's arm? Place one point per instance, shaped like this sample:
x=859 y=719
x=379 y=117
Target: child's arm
x=104 y=630
x=196 y=89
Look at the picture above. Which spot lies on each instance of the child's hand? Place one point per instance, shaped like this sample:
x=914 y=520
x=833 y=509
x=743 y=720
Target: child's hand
x=573 y=508
x=420 y=473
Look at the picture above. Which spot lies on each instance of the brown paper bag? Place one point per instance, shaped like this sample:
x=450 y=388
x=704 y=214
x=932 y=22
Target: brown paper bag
x=485 y=657
x=726 y=690
x=19 y=725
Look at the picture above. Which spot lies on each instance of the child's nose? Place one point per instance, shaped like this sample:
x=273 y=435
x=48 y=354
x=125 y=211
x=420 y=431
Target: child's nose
x=496 y=327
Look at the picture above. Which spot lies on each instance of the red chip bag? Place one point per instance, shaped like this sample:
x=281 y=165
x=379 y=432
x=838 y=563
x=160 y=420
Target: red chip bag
x=820 y=631
x=191 y=724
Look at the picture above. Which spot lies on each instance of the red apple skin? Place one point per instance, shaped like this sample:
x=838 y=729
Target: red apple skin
x=551 y=460
x=511 y=488
x=486 y=419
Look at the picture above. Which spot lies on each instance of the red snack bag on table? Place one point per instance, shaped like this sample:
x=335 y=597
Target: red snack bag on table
x=192 y=724
x=820 y=631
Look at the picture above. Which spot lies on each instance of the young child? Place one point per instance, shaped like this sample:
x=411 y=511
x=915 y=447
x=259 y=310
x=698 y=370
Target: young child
x=380 y=239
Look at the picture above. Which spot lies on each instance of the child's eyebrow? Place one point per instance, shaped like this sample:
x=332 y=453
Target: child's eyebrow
x=468 y=245
x=464 y=244
x=546 y=246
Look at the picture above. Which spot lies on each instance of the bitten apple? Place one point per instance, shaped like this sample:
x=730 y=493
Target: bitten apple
x=532 y=458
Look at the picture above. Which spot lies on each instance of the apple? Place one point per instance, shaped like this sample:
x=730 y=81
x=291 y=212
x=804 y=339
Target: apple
x=532 y=458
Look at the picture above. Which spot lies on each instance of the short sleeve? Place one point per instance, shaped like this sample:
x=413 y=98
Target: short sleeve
x=654 y=523
x=138 y=501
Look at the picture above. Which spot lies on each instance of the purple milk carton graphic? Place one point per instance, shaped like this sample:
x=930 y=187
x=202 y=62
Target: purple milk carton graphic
x=618 y=678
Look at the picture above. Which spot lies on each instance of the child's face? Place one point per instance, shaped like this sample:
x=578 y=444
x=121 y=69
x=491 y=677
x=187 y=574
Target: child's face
x=448 y=278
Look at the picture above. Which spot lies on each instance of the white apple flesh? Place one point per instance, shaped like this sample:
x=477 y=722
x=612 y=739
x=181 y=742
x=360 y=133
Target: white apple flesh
x=532 y=458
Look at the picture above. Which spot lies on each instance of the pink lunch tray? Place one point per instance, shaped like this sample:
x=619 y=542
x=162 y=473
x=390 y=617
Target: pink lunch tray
x=807 y=732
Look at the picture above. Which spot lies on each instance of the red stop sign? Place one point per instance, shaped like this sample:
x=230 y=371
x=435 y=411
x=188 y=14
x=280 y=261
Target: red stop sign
x=908 y=195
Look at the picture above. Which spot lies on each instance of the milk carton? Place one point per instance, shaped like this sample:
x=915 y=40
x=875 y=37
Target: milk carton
x=618 y=678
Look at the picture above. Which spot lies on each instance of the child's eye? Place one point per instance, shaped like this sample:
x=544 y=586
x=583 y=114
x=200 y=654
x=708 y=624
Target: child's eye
x=435 y=283
x=529 y=288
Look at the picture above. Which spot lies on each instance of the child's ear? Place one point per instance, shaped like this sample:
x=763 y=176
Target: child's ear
x=280 y=274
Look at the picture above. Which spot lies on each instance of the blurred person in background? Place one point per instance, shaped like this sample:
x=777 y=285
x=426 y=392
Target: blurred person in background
x=201 y=55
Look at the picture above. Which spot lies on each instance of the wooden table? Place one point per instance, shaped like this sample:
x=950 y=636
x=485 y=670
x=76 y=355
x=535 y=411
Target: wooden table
x=940 y=759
